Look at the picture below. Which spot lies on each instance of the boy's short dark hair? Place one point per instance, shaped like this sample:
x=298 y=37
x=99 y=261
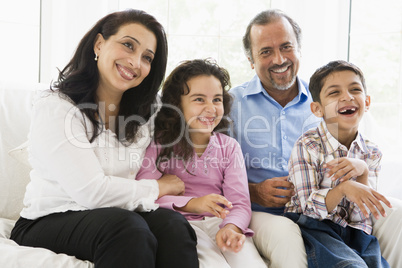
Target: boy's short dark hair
x=317 y=80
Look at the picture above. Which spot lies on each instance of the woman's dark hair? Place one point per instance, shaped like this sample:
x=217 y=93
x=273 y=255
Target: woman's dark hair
x=79 y=80
x=317 y=80
x=170 y=125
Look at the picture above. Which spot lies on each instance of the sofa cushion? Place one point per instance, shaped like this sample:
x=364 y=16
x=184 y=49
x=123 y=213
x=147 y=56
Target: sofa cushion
x=15 y=114
x=20 y=153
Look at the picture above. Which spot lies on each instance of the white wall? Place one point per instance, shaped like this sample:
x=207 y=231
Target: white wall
x=19 y=42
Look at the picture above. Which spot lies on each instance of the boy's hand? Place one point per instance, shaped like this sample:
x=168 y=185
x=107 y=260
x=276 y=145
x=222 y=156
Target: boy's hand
x=208 y=203
x=346 y=168
x=230 y=237
x=365 y=198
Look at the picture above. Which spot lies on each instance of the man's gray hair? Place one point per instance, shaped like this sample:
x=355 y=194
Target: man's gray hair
x=266 y=17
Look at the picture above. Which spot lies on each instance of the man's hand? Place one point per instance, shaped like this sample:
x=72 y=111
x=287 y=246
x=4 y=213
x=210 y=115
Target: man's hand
x=170 y=185
x=230 y=237
x=275 y=192
x=346 y=168
x=208 y=203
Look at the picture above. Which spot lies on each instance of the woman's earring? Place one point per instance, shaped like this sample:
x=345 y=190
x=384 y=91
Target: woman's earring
x=96 y=57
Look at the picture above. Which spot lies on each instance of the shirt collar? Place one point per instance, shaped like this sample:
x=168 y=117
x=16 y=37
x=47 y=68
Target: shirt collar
x=331 y=144
x=359 y=141
x=255 y=87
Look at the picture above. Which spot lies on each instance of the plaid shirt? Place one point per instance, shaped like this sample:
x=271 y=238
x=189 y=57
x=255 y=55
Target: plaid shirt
x=311 y=151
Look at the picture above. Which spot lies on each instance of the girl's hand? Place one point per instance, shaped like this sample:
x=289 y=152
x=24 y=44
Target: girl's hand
x=230 y=237
x=347 y=168
x=208 y=203
x=170 y=185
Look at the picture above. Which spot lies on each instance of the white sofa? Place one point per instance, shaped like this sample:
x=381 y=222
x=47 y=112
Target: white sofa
x=15 y=106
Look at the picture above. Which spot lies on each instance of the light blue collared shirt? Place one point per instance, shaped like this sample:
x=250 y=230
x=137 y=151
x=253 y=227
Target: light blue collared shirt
x=266 y=131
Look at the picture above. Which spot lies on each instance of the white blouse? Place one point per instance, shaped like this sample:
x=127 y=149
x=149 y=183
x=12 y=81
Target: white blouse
x=70 y=173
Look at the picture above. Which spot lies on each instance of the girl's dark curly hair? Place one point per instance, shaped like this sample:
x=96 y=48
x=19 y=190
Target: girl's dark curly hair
x=80 y=78
x=170 y=126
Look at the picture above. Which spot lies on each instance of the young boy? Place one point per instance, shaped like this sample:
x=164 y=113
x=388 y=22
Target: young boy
x=334 y=171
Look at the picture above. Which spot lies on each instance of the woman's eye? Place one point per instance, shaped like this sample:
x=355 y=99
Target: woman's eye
x=129 y=45
x=217 y=100
x=148 y=59
x=198 y=99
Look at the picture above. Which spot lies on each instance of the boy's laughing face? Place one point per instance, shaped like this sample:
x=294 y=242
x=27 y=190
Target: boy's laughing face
x=343 y=103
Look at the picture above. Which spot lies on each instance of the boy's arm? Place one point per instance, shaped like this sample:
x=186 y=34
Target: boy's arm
x=304 y=173
x=366 y=198
x=366 y=171
x=345 y=168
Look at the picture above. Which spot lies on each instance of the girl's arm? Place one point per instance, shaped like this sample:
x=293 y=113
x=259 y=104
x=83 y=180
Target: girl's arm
x=230 y=237
x=208 y=203
x=235 y=188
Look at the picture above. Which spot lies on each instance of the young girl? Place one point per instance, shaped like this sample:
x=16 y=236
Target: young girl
x=189 y=144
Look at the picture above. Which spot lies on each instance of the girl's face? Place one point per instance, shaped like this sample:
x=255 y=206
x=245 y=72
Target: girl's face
x=125 y=58
x=203 y=106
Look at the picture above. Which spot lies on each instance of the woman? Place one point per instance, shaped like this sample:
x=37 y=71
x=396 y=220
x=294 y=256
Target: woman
x=87 y=138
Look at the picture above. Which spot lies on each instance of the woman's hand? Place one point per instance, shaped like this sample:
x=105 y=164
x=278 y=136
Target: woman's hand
x=170 y=185
x=208 y=203
x=230 y=237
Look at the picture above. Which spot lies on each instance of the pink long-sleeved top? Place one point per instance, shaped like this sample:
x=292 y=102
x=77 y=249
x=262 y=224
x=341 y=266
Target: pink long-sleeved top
x=220 y=170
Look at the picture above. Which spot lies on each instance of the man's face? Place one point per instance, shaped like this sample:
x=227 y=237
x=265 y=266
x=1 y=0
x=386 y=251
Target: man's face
x=275 y=54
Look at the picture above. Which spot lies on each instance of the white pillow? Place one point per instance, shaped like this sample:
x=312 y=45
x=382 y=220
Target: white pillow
x=20 y=154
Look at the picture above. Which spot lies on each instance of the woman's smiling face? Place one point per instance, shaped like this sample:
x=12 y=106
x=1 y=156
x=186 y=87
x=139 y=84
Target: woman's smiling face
x=124 y=60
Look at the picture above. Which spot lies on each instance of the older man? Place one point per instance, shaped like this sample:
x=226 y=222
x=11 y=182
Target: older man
x=270 y=112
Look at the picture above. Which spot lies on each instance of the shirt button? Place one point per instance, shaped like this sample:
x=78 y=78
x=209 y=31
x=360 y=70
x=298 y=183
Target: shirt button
x=283 y=112
x=285 y=137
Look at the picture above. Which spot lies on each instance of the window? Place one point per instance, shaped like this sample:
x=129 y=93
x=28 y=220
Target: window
x=199 y=29
x=376 y=47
